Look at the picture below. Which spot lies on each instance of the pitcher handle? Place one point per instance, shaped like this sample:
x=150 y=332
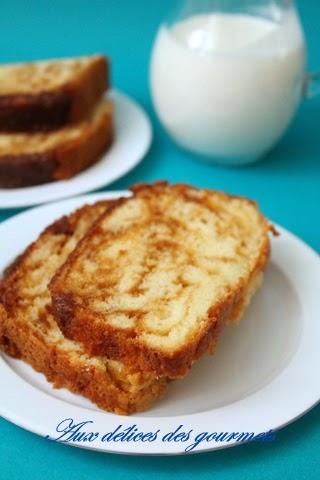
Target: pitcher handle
x=311 y=86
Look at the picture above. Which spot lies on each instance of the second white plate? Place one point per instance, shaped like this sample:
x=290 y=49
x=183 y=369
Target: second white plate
x=263 y=376
x=133 y=134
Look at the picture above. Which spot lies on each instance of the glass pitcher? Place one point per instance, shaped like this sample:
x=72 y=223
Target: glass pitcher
x=227 y=76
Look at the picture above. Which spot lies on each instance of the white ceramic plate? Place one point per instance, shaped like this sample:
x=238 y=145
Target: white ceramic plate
x=133 y=134
x=262 y=376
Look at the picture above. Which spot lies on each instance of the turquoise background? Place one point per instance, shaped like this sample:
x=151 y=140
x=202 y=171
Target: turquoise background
x=286 y=185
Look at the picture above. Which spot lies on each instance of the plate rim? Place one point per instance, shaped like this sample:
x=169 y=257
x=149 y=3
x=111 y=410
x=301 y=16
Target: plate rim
x=68 y=205
x=146 y=141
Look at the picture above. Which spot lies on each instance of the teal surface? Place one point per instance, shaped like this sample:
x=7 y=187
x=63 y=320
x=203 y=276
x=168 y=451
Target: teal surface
x=286 y=185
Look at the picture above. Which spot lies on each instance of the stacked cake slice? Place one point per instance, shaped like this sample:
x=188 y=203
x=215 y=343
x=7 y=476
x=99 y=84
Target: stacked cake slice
x=53 y=120
x=118 y=298
x=29 y=331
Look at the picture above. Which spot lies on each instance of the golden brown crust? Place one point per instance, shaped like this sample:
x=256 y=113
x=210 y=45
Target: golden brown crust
x=25 y=170
x=47 y=110
x=64 y=226
x=73 y=157
x=63 y=367
x=5 y=342
x=60 y=162
x=94 y=383
x=123 y=344
x=86 y=90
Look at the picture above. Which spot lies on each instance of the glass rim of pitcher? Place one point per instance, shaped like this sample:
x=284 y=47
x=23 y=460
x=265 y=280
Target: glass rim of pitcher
x=183 y=9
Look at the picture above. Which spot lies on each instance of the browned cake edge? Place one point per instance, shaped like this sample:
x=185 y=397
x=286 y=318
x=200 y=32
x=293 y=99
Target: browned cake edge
x=62 y=162
x=47 y=110
x=18 y=340
x=123 y=345
x=93 y=383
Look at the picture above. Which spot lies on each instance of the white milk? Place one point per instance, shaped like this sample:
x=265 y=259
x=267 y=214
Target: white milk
x=227 y=85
